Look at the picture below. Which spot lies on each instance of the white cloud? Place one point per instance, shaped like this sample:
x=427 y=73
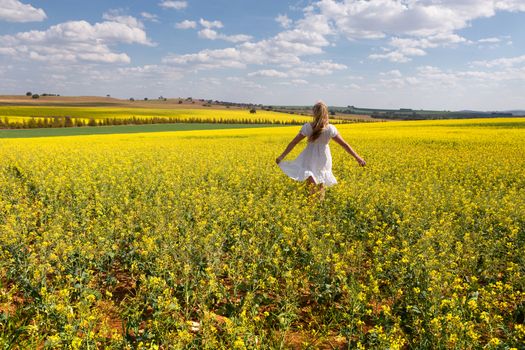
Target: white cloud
x=403 y=49
x=272 y=73
x=117 y=16
x=301 y=70
x=435 y=79
x=393 y=73
x=208 y=59
x=150 y=17
x=501 y=62
x=214 y=35
x=413 y=25
x=245 y=83
x=177 y=5
x=186 y=24
x=285 y=49
x=15 y=11
x=376 y=19
x=299 y=82
x=510 y=5
x=489 y=40
x=284 y=21
x=210 y=24
x=77 y=41
x=153 y=71
x=325 y=67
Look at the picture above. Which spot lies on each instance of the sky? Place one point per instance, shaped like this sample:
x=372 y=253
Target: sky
x=421 y=54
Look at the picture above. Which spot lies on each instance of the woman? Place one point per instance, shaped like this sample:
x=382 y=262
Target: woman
x=314 y=164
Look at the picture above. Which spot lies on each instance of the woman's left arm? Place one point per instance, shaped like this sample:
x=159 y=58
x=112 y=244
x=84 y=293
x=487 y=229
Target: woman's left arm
x=290 y=147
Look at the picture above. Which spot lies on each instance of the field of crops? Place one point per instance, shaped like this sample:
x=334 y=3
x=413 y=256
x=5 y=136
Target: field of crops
x=24 y=113
x=123 y=129
x=195 y=239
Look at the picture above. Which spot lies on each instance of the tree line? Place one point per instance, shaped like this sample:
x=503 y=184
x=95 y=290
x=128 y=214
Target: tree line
x=66 y=122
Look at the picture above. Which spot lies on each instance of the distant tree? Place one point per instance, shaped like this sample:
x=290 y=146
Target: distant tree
x=131 y=99
x=35 y=96
x=32 y=123
x=29 y=93
x=108 y=95
x=332 y=112
x=165 y=99
x=145 y=98
x=253 y=111
x=180 y=101
x=68 y=122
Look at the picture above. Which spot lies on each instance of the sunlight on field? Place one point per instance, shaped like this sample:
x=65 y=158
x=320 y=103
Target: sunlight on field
x=196 y=239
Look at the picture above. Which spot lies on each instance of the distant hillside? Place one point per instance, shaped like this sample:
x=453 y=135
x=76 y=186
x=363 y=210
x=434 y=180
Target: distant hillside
x=412 y=114
x=517 y=112
x=108 y=101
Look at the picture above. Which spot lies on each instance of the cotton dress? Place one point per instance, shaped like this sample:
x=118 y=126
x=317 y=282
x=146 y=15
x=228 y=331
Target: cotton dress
x=315 y=160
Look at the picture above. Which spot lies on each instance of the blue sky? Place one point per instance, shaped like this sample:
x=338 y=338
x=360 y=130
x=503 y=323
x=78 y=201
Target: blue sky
x=432 y=54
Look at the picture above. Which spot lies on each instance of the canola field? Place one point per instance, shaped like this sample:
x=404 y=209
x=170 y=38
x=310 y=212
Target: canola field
x=19 y=114
x=196 y=240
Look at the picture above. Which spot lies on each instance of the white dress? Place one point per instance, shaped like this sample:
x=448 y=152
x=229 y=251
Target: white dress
x=315 y=160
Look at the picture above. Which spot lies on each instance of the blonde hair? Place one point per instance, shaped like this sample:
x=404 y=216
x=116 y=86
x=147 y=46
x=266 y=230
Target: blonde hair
x=320 y=120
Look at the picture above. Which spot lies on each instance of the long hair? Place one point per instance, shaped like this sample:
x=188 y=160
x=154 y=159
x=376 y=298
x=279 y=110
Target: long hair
x=320 y=120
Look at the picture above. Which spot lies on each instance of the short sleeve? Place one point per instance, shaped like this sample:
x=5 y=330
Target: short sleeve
x=333 y=131
x=306 y=129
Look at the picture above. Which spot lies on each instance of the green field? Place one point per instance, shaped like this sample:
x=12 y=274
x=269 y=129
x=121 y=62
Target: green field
x=121 y=129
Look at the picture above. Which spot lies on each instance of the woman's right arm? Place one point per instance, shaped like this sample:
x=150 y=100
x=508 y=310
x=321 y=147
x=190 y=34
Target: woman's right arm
x=349 y=149
x=290 y=147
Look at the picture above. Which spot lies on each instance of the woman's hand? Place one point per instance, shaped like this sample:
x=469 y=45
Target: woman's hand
x=361 y=161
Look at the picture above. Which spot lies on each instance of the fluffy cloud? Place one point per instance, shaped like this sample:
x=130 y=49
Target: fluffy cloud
x=433 y=78
x=403 y=49
x=376 y=19
x=510 y=5
x=78 y=41
x=285 y=48
x=207 y=32
x=214 y=35
x=15 y=11
x=207 y=59
x=210 y=24
x=177 y=5
x=117 y=16
x=149 y=17
x=284 y=21
x=186 y=24
x=503 y=62
x=272 y=73
x=489 y=40
x=414 y=25
x=301 y=70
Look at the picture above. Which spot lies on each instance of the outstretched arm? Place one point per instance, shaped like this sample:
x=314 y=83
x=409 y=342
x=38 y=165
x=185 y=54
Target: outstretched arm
x=290 y=147
x=349 y=149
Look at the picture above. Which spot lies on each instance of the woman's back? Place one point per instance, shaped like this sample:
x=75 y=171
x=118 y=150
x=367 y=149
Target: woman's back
x=326 y=134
